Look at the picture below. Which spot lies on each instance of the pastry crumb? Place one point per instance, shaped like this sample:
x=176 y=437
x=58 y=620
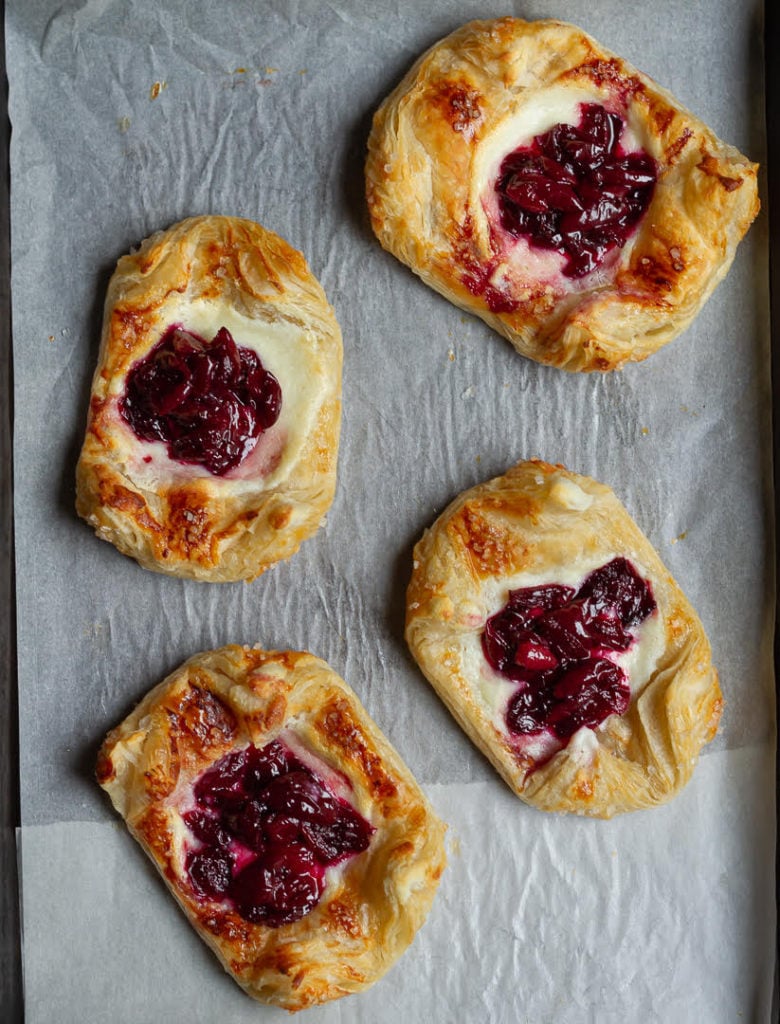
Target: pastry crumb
x=157 y=88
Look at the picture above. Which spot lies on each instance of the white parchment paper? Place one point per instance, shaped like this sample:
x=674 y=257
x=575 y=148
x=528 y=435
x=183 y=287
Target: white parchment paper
x=128 y=116
x=611 y=923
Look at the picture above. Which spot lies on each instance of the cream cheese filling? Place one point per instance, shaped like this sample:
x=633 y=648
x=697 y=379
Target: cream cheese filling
x=286 y=350
x=520 y=261
x=492 y=691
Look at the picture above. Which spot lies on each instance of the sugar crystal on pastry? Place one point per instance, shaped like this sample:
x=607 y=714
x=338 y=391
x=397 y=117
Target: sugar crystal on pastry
x=542 y=183
x=550 y=628
x=287 y=828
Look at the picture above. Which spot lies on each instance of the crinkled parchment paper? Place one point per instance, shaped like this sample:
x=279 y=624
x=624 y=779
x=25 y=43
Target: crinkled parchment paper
x=127 y=116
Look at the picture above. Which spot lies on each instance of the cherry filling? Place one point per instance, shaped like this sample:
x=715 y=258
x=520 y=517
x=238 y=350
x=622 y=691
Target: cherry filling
x=575 y=190
x=555 y=642
x=265 y=830
x=208 y=402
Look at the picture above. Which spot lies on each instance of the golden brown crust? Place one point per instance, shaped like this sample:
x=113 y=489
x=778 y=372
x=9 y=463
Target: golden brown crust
x=371 y=909
x=543 y=524
x=433 y=153
x=209 y=272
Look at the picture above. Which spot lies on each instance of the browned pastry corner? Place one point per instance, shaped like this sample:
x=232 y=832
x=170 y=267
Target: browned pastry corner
x=225 y=705
x=601 y=689
x=585 y=251
x=179 y=515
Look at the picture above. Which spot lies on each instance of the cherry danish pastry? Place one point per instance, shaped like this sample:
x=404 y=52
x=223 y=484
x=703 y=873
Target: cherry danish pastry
x=538 y=181
x=548 y=625
x=213 y=429
x=288 y=829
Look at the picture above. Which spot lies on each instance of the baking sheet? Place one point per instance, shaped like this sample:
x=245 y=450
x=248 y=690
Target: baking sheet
x=129 y=116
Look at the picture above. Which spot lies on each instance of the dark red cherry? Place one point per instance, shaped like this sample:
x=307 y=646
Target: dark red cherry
x=587 y=694
x=282 y=831
x=536 y=600
x=248 y=825
x=298 y=795
x=605 y=628
x=207 y=827
x=224 y=783
x=539 y=195
x=617 y=585
x=527 y=711
x=266 y=763
x=497 y=643
x=534 y=654
x=565 y=631
x=279 y=888
x=330 y=841
x=210 y=871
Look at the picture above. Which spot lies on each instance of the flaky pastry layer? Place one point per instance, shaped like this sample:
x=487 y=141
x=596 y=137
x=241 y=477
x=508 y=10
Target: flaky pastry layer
x=542 y=524
x=434 y=151
x=372 y=905
x=205 y=273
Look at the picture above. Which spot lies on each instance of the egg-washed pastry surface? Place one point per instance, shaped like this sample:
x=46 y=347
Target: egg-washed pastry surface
x=288 y=829
x=549 y=626
x=213 y=428
x=538 y=181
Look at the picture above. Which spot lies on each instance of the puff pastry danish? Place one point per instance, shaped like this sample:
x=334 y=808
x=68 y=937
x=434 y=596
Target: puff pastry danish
x=538 y=181
x=213 y=428
x=288 y=829
x=563 y=647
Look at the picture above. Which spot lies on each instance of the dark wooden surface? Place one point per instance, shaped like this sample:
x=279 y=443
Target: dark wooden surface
x=772 y=71
x=10 y=952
